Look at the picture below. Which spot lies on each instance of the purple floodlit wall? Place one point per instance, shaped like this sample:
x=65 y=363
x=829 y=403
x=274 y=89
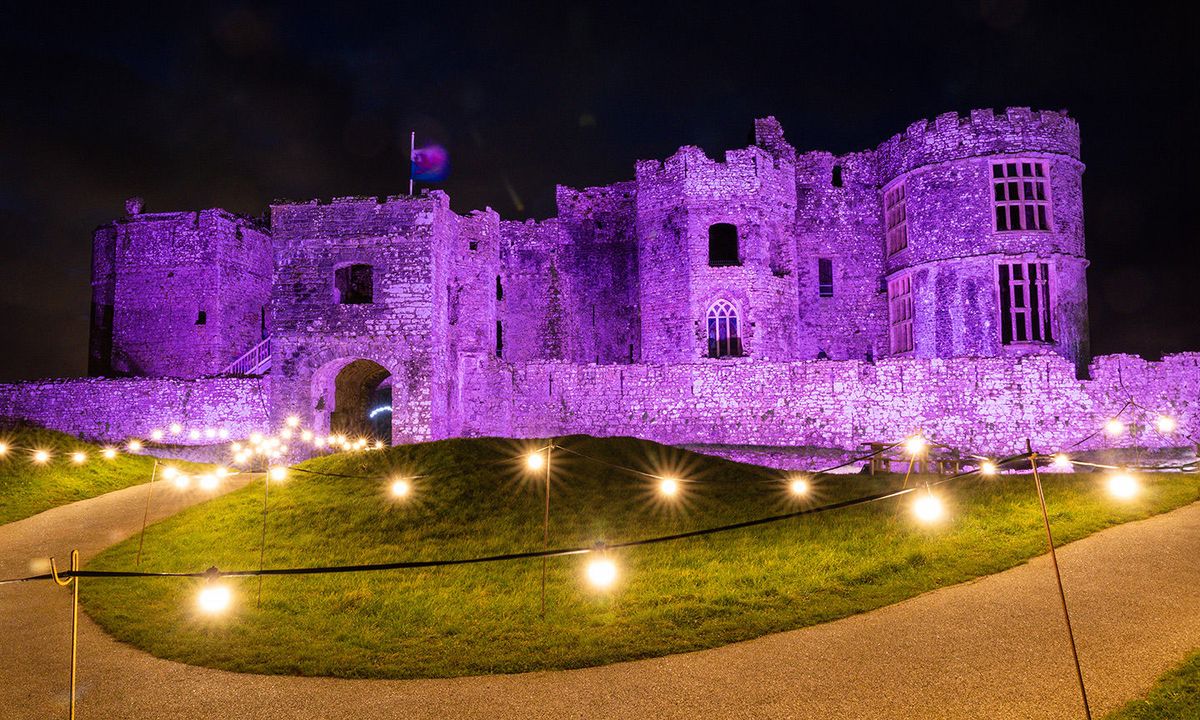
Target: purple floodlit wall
x=595 y=320
x=113 y=409
x=987 y=405
x=178 y=294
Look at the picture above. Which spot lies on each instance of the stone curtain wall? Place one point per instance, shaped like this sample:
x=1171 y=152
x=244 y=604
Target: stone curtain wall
x=111 y=410
x=979 y=404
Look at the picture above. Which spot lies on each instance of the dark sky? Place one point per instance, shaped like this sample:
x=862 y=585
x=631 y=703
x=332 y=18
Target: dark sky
x=196 y=105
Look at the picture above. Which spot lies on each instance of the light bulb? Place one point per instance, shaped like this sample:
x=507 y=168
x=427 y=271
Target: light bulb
x=602 y=573
x=156 y=435
x=208 y=482
x=987 y=468
x=1123 y=486
x=41 y=457
x=214 y=599
x=668 y=487
x=109 y=453
x=798 y=487
x=134 y=446
x=278 y=473
x=78 y=458
x=293 y=421
x=401 y=488
x=915 y=445
x=535 y=461
x=1165 y=424
x=1114 y=427
x=928 y=508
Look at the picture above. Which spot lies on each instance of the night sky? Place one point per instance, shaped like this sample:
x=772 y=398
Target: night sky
x=234 y=105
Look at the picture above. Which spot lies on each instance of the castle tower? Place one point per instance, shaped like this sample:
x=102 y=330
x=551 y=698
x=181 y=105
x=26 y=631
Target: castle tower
x=716 y=257
x=983 y=236
x=177 y=294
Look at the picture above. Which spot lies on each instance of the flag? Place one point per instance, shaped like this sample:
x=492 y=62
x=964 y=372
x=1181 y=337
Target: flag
x=430 y=163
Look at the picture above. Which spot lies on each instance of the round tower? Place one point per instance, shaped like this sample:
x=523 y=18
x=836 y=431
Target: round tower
x=983 y=236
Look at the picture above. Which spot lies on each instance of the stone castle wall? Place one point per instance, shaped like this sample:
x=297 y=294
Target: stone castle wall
x=986 y=405
x=112 y=410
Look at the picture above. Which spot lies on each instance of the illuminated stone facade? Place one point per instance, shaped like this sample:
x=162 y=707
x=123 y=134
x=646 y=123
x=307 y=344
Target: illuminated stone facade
x=771 y=297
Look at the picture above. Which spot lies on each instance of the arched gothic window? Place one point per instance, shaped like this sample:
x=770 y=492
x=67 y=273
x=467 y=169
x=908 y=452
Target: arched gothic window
x=724 y=339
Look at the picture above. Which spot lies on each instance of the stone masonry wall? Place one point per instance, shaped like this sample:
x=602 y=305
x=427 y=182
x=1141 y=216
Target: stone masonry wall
x=987 y=405
x=112 y=410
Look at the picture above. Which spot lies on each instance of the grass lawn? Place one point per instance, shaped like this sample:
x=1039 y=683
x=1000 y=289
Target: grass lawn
x=476 y=619
x=27 y=488
x=1175 y=695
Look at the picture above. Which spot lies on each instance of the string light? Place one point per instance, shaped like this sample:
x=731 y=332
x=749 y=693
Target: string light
x=293 y=421
x=1165 y=424
x=208 y=482
x=987 y=468
x=194 y=435
x=915 y=445
x=1061 y=463
x=214 y=598
x=798 y=486
x=79 y=458
x=535 y=461
x=928 y=508
x=668 y=487
x=170 y=472
x=109 y=453
x=135 y=446
x=286 y=434
x=41 y=457
x=210 y=433
x=602 y=573
x=221 y=472
x=401 y=488
x=223 y=433
x=278 y=473
x=306 y=436
x=182 y=481
x=3 y=448
x=156 y=435
x=378 y=444
x=1114 y=427
x=175 y=428
x=1122 y=485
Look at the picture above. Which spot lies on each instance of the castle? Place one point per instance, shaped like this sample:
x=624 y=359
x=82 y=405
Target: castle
x=769 y=298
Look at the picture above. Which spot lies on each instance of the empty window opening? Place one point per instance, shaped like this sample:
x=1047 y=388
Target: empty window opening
x=354 y=284
x=499 y=288
x=896 y=219
x=1021 y=196
x=262 y=322
x=201 y=318
x=825 y=277
x=724 y=339
x=900 y=314
x=499 y=339
x=837 y=176
x=1026 y=305
x=723 y=245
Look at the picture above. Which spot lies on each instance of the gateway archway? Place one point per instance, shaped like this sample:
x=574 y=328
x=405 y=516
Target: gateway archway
x=362 y=401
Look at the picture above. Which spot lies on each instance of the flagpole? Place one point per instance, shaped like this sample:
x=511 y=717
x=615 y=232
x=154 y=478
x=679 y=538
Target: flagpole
x=412 y=146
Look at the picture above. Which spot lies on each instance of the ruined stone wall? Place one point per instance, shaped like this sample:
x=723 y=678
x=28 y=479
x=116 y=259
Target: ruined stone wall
x=946 y=168
x=981 y=404
x=114 y=409
x=186 y=289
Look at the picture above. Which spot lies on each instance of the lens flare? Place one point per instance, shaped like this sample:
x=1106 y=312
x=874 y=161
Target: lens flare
x=1123 y=486
x=535 y=461
x=278 y=473
x=1114 y=427
x=41 y=457
x=208 y=482
x=293 y=421
x=929 y=508
x=78 y=458
x=668 y=487
x=987 y=468
x=135 y=446
x=1165 y=424
x=799 y=487
x=109 y=453
x=214 y=599
x=401 y=488
x=915 y=445
x=156 y=435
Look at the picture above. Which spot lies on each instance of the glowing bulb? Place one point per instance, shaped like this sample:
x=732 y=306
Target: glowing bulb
x=928 y=508
x=3 y=448
x=987 y=468
x=915 y=445
x=306 y=436
x=668 y=487
x=78 y=458
x=176 y=428
x=602 y=573
x=1061 y=463
x=1165 y=424
x=208 y=482
x=170 y=472
x=182 y=481
x=134 y=446
x=378 y=444
x=221 y=471
x=293 y=421
x=210 y=433
x=109 y=453
x=214 y=599
x=798 y=487
x=236 y=447
x=222 y=433
x=256 y=438
x=1123 y=486
x=401 y=488
x=318 y=442
x=285 y=434
x=535 y=461
x=278 y=473
x=41 y=457
x=194 y=435
x=1114 y=427
x=156 y=435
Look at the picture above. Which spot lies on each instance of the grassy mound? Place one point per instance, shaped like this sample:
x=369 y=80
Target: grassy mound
x=27 y=488
x=475 y=499
x=1175 y=695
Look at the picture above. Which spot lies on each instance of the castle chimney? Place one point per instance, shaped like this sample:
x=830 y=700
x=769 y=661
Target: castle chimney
x=133 y=206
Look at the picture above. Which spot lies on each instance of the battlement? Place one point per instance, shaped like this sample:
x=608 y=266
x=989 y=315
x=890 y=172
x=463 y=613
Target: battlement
x=951 y=136
x=354 y=217
x=584 y=202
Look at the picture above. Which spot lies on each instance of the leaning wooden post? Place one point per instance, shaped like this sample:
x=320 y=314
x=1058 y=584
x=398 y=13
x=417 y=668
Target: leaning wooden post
x=74 y=578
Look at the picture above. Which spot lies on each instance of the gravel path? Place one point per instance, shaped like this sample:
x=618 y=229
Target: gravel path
x=992 y=648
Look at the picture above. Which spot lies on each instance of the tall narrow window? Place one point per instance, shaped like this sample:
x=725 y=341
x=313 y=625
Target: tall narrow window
x=1026 y=305
x=825 y=277
x=499 y=288
x=723 y=245
x=1021 y=195
x=262 y=322
x=499 y=339
x=201 y=318
x=836 y=180
x=900 y=314
x=354 y=284
x=895 y=219
x=724 y=339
